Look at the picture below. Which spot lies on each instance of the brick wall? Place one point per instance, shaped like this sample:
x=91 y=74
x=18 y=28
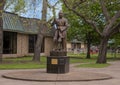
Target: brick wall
x=48 y=45
x=22 y=46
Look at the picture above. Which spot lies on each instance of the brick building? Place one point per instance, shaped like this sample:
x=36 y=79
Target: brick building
x=20 y=34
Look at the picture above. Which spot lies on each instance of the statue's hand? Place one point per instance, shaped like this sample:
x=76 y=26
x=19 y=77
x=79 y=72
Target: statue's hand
x=63 y=29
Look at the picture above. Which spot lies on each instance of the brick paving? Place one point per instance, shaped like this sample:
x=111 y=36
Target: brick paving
x=113 y=70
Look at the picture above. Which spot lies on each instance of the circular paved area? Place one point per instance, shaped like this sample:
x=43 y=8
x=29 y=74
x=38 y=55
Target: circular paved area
x=42 y=76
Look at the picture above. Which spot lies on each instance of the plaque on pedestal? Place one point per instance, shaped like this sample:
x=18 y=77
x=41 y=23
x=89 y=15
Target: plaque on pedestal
x=57 y=64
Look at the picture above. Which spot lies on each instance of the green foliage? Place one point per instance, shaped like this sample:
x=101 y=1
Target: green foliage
x=78 y=28
x=20 y=5
x=92 y=11
x=16 y=6
x=113 y=6
x=115 y=41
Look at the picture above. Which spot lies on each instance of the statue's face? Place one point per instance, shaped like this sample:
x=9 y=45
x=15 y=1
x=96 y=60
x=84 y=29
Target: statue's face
x=60 y=15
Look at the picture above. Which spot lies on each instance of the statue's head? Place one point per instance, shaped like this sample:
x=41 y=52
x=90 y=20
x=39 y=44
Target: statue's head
x=60 y=14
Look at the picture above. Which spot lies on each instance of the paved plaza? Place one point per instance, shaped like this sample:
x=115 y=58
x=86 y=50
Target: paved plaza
x=113 y=70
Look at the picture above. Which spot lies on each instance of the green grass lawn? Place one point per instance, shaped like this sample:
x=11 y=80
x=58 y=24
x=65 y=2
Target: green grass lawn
x=22 y=63
x=82 y=60
x=30 y=65
x=93 y=65
x=27 y=63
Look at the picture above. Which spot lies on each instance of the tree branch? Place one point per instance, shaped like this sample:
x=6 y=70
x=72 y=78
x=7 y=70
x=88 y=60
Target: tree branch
x=113 y=20
x=116 y=29
x=50 y=6
x=115 y=17
x=71 y=9
x=76 y=4
x=49 y=21
x=92 y=23
x=105 y=11
x=53 y=7
x=6 y=6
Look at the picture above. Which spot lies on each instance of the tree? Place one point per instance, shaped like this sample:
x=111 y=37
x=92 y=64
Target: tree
x=98 y=14
x=80 y=30
x=43 y=28
x=40 y=35
x=2 y=2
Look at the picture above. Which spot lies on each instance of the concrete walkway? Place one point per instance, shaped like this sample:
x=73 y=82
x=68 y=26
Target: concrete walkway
x=42 y=76
x=113 y=70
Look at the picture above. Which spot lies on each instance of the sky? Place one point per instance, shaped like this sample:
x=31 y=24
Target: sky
x=30 y=5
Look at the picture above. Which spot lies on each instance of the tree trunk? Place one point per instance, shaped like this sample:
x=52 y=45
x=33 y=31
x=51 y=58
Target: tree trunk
x=1 y=40
x=115 y=52
x=2 y=2
x=88 y=45
x=38 y=46
x=40 y=36
x=103 y=50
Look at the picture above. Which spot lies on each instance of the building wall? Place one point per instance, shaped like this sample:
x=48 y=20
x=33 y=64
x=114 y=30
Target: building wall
x=22 y=46
x=23 y=43
x=83 y=45
x=69 y=46
x=48 y=45
x=79 y=47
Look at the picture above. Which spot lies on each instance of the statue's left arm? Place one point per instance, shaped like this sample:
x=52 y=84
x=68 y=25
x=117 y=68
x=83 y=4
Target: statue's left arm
x=65 y=25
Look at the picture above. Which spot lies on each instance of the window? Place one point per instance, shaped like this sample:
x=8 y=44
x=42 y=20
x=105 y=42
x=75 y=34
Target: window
x=9 y=43
x=32 y=42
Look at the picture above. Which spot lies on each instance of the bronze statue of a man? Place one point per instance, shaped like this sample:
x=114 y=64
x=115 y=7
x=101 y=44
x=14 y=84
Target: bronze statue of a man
x=60 y=37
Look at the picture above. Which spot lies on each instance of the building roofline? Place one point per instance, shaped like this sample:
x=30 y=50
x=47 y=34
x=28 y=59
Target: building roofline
x=28 y=18
x=10 y=13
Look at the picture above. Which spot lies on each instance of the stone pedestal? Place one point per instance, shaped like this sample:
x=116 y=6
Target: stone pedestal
x=58 y=62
